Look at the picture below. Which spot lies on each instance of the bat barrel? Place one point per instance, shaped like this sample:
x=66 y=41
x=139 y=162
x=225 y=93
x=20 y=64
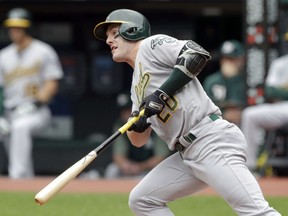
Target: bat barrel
x=62 y=180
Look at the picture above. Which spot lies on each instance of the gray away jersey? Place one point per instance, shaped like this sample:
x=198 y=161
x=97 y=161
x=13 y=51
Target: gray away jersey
x=154 y=63
x=21 y=73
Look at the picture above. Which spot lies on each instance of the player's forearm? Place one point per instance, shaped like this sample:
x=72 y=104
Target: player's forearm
x=175 y=82
x=48 y=91
x=139 y=139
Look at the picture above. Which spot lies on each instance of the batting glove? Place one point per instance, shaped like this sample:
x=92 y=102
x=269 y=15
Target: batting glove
x=141 y=125
x=154 y=103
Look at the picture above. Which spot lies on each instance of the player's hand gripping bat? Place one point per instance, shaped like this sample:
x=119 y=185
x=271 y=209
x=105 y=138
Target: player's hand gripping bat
x=68 y=175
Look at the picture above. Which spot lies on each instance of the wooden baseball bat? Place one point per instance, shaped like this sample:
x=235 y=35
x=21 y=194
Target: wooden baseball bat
x=68 y=175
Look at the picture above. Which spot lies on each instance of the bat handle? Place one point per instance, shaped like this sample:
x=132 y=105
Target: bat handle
x=126 y=126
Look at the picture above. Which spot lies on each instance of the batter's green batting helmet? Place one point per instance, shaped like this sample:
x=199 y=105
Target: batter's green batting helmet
x=18 y=17
x=134 y=26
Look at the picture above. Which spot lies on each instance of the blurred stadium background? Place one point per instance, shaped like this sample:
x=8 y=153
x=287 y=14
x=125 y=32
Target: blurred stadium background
x=85 y=108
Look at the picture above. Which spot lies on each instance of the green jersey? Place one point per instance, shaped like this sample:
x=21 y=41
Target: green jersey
x=226 y=91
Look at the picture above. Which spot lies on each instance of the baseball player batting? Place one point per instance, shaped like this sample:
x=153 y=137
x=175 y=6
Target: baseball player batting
x=211 y=150
x=29 y=71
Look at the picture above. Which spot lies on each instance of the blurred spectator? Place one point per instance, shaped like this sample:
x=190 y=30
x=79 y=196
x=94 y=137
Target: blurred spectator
x=29 y=74
x=226 y=87
x=128 y=160
x=268 y=116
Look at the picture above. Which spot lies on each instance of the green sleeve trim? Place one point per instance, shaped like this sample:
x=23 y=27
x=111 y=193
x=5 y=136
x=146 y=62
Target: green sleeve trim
x=175 y=82
x=276 y=93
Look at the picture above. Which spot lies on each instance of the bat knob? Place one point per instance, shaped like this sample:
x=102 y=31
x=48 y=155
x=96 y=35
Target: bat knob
x=38 y=202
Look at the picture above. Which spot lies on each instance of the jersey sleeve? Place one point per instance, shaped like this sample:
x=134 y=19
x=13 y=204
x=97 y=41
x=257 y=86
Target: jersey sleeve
x=165 y=49
x=52 y=68
x=277 y=74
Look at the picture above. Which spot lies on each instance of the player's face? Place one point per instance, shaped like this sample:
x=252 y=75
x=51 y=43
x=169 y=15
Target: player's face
x=120 y=48
x=231 y=66
x=16 y=34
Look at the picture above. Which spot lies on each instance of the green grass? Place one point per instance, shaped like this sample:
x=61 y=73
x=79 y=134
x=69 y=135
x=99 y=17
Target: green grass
x=22 y=204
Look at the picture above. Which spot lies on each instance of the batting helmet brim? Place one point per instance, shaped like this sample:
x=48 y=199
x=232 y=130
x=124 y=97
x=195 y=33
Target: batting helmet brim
x=101 y=28
x=20 y=23
x=286 y=36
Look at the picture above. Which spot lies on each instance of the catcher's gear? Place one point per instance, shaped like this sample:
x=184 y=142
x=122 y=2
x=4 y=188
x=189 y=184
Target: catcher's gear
x=154 y=103
x=141 y=125
x=18 y=17
x=134 y=26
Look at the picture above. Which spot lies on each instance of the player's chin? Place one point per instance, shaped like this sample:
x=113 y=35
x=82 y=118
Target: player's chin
x=117 y=59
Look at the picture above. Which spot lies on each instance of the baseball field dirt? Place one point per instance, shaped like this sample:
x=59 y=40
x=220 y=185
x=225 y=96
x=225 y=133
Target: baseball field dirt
x=271 y=186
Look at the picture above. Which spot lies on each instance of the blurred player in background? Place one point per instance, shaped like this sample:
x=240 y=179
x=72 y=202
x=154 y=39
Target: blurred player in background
x=227 y=87
x=211 y=150
x=128 y=160
x=268 y=116
x=29 y=74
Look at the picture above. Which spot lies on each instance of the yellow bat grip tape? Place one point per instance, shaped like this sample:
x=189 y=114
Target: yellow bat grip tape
x=133 y=120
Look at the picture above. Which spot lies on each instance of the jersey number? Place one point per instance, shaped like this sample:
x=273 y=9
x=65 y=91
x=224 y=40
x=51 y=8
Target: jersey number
x=165 y=115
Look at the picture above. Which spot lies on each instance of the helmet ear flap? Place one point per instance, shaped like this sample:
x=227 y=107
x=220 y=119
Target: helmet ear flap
x=131 y=32
x=127 y=31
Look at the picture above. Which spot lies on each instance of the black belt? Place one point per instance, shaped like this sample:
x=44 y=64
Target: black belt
x=179 y=147
x=191 y=137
